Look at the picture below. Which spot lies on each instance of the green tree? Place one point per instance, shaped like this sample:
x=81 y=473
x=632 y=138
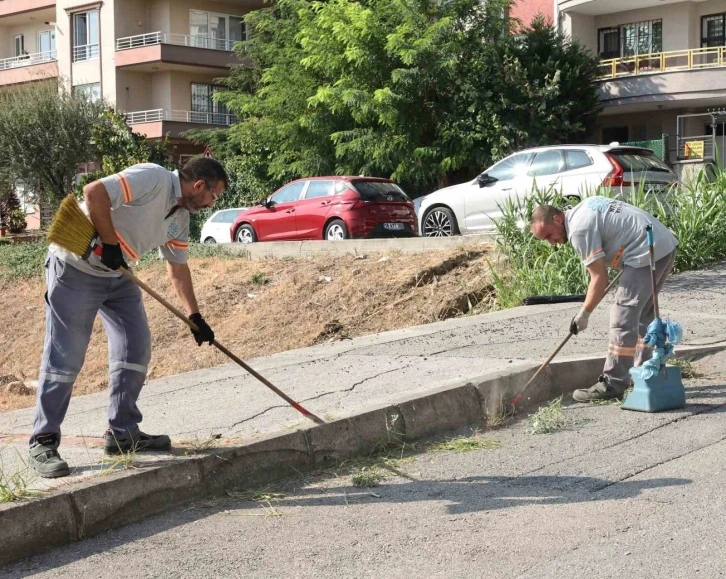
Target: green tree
x=45 y=134
x=424 y=91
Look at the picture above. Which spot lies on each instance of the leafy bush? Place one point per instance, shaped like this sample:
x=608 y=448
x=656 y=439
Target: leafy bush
x=531 y=267
x=695 y=213
x=22 y=260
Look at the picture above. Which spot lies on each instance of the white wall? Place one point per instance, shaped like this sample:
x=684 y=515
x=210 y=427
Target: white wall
x=132 y=18
x=160 y=90
x=160 y=16
x=134 y=91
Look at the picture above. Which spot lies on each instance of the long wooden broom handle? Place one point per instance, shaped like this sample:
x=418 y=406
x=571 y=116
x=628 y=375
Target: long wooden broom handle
x=562 y=345
x=220 y=347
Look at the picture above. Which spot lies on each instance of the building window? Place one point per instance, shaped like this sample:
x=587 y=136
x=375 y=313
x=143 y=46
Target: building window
x=204 y=108
x=18 y=45
x=630 y=39
x=90 y=91
x=713 y=30
x=46 y=44
x=609 y=42
x=217 y=31
x=85 y=35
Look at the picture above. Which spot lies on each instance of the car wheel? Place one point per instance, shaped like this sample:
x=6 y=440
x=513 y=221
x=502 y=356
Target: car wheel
x=571 y=201
x=246 y=234
x=439 y=222
x=210 y=240
x=336 y=230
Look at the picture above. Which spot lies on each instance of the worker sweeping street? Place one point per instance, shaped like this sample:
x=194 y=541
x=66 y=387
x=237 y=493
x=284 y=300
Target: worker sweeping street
x=611 y=233
x=142 y=208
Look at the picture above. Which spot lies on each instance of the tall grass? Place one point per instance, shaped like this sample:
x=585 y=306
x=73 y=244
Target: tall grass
x=694 y=212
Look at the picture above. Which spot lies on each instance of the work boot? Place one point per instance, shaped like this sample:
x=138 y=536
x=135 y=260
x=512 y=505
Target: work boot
x=47 y=462
x=112 y=444
x=600 y=391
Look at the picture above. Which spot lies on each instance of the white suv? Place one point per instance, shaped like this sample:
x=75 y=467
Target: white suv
x=573 y=170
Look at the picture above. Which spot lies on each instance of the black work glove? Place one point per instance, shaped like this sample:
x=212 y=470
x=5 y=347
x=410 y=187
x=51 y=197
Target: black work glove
x=205 y=333
x=112 y=257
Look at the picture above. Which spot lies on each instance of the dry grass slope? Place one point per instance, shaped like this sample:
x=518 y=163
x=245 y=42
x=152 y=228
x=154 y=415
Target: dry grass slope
x=260 y=308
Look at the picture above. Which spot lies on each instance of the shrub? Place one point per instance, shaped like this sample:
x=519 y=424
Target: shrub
x=695 y=213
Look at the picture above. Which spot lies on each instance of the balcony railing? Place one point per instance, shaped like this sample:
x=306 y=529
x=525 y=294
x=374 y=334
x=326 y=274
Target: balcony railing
x=28 y=59
x=693 y=59
x=85 y=52
x=156 y=115
x=178 y=39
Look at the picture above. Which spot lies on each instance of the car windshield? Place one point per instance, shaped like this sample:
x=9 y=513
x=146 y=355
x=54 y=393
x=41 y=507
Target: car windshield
x=379 y=191
x=638 y=161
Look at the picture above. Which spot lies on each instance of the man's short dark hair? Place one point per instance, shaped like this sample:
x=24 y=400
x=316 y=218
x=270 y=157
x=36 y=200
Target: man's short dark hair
x=204 y=169
x=544 y=214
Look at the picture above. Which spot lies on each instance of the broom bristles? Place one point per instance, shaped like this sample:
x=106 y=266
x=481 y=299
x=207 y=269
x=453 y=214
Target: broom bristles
x=71 y=229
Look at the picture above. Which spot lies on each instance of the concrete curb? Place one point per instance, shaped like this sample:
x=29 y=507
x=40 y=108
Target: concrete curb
x=87 y=508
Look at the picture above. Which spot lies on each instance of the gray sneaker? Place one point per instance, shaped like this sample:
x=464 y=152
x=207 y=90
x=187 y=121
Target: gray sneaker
x=600 y=391
x=138 y=443
x=48 y=462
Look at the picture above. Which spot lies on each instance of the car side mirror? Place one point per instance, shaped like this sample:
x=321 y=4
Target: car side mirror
x=485 y=179
x=265 y=202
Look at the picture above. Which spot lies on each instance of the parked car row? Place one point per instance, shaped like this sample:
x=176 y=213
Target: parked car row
x=335 y=208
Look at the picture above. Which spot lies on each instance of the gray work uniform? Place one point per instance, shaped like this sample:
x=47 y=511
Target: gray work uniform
x=602 y=228
x=142 y=198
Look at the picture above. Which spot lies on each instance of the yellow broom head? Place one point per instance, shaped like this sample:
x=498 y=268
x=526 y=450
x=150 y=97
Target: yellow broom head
x=71 y=229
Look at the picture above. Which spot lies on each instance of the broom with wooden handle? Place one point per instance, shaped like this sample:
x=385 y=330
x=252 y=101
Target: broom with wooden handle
x=74 y=232
x=546 y=363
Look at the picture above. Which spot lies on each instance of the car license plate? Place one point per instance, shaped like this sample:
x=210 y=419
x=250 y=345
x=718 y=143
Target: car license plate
x=393 y=226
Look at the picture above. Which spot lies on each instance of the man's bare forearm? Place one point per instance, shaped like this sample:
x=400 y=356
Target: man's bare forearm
x=99 y=210
x=181 y=280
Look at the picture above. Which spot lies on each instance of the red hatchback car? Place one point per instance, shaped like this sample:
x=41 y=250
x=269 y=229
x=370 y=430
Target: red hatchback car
x=329 y=208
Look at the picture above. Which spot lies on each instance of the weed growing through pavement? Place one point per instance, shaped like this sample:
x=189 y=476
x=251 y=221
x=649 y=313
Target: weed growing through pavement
x=15 y=486
x=124 y=460
x=368 y=477
x=200 y=445
x=686 y=366
x=464 y=444
x=265 y=494
x=548 y=418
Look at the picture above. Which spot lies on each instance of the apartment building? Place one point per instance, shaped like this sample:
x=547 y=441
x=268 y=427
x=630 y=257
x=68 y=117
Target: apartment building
x=157 y=61
x=663 y=70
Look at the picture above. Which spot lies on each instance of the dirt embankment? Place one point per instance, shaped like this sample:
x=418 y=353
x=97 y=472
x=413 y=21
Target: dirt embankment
x=259 y=308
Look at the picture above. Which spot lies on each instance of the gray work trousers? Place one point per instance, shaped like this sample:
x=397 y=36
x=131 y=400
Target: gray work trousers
x=629 y=318
x=72 y=301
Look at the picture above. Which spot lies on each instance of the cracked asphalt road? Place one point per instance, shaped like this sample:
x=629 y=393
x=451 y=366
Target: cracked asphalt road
x=335 y=379
x=616 y=494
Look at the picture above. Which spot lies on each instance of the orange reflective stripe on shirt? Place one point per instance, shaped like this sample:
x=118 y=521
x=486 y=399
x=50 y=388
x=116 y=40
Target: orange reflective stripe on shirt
x=176 y=244
x=127 y=249
x=616 y=260
x=125 y=188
